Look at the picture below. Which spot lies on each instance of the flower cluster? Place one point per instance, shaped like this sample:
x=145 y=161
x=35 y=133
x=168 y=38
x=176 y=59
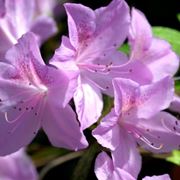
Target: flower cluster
x=87 y=64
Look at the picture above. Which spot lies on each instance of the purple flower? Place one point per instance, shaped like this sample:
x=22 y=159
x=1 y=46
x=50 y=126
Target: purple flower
x=107 y=168
x=34 y=95
x=91 y=49
x=138 y=115
x=21 y=17
x=17 y=166
x=155 y=53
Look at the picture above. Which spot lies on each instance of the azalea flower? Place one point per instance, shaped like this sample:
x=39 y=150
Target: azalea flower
x=155 y=53
x=91 y=50
x=21 y=17
x=107 y=168
x=137 y=117
x=17 y=166
x=34 y=95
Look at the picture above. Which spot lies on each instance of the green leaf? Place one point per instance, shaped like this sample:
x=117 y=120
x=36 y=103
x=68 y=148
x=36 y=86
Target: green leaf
x=124 y=48
x=175 y=157
x=84 y=165
x=177 y=87
x=178 y=16
x=170 y=35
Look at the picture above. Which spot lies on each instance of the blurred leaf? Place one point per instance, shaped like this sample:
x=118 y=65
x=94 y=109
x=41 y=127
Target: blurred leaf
x=124 y=48
x=178 y=16
x=46 y=154
x=177 y=86
x=84 y=165
x=175 y=157
x=170 y=35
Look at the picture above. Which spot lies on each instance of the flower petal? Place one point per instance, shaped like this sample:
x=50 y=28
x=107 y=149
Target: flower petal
x=155 y=97
x=2 y=8
x=65 y=52
x=175 y=104
x=160 y=59
x=81 y=23
x=125 y=93
x=126 y=155
x=103 y=166
x=88 y=102
x=44 y=27
x=62 y=128
x=17 y=166
x=140 y=35
x=107 y=132
x=162 y=177
x=162 y=131
x=17 y=134
x=115 y=15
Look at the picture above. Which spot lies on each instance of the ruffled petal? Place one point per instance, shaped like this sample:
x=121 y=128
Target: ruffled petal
x=81 y=23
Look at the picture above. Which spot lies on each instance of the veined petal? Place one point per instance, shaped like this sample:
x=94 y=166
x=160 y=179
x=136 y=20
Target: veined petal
x=162 y=132
x=88 y=103
x=155 y=97
x=107 y=132
x=81 y=23
x=162 y=177
x=62 y=128
x=109 y=19
x=125 y=93
x=103 y=166
x=44 y=27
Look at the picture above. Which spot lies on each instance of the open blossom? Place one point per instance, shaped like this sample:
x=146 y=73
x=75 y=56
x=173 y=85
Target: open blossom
x=20 y=16
x=107 y=168
x=17 y=166
x=91 y=49
x=155 y=53
x=34 y=95
x=138 y=115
